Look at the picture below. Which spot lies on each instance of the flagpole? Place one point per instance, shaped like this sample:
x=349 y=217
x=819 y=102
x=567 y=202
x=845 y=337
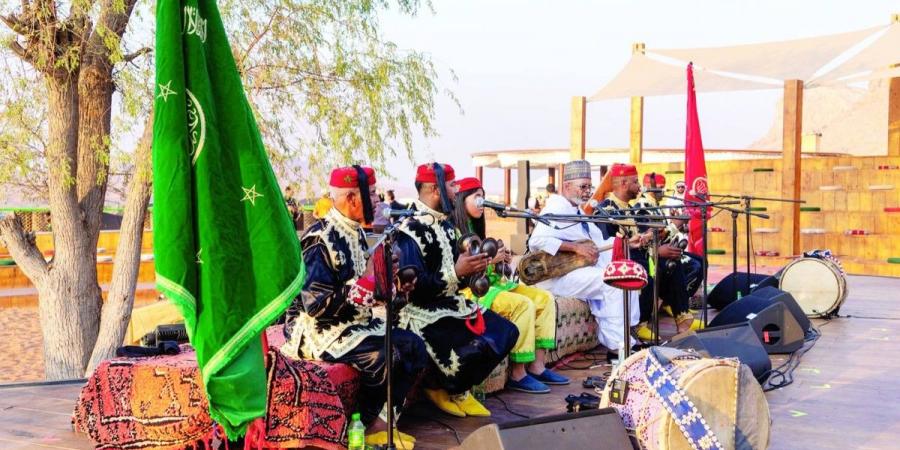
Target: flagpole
x=704 y=215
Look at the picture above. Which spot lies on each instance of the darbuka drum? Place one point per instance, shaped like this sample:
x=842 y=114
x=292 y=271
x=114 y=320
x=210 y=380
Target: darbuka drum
x=818 y=285
x=733 y=408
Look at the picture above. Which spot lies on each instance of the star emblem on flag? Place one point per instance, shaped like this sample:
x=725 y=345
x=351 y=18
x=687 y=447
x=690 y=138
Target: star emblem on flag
x=251 y=194
x=165 y=91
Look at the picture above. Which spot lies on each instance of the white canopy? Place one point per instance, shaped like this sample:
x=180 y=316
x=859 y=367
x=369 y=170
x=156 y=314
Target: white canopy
x=643 y=76
x=873 y=75
x=784 y=60
x=879 y=55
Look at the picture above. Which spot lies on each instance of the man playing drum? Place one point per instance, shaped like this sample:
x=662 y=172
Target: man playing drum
x=585 y=283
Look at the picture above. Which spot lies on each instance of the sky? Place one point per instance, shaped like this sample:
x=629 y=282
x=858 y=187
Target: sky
x=519 y=63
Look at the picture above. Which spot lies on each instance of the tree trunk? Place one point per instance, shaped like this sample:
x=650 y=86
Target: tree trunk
x=120 y=298
x=69 y=305
x=69 y=297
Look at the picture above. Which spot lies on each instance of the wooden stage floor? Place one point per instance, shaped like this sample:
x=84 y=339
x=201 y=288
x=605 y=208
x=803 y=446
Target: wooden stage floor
x=844 y=395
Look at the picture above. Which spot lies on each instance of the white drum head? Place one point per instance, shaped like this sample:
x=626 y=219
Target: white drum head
x=815 y=285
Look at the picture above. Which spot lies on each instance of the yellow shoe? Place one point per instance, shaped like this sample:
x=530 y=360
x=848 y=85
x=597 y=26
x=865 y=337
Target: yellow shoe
x=401 y=440
x=441 y=399
x=686 y=321
x=668 y=310
x=644 y=332
x=470 y=406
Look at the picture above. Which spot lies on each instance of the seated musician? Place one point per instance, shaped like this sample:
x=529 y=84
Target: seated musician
x=331 y=320
x=533 y=310
x=585 y=283
x=465 y=344
x=671 y=272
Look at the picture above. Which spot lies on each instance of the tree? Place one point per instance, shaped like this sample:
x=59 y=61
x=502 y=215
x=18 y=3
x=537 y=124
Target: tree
x=324 y=83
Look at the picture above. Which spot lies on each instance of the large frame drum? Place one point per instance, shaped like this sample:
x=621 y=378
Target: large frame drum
x=728 y=400
x=818 y=285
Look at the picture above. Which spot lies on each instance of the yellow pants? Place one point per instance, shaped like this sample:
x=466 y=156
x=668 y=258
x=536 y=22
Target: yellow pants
x=533 y=311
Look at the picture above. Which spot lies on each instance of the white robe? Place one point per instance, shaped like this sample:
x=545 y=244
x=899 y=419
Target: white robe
x=585 y=283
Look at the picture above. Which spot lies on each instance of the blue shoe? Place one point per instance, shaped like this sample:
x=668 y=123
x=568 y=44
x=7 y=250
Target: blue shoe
x=550 y=377
x=528 y=385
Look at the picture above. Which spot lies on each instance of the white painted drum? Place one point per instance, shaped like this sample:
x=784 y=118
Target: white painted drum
x=818 y=285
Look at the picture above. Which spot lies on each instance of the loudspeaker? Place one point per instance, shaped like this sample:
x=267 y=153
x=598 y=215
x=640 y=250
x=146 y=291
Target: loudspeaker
x=600 y=429
x=775 y=294
x=770 y=318
x=724 y=293
x=728 y=341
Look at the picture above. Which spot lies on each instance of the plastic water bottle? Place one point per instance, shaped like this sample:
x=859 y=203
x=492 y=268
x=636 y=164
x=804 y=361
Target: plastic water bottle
x=356 y=434
x=478 y=392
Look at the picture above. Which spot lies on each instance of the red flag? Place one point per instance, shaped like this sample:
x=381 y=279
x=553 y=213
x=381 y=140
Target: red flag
x=694 y=168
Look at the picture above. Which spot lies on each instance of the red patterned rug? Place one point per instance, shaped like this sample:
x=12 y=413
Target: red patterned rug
x=159 y=403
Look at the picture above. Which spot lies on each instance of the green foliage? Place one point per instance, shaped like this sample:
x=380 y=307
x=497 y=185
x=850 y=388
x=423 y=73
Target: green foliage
x=327 y=88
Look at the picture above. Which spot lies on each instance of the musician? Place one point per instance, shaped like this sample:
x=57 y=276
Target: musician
x=585 y=283
x=531 y=309
x=465 y=344
x=331 y=320
x=677 y=199
x=670 y=273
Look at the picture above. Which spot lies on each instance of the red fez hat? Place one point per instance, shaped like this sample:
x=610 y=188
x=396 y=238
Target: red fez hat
x=660 y=180
x=425 y=173
x=347 y=177
x=468 y=184
x=625 y=274
x=622 y=170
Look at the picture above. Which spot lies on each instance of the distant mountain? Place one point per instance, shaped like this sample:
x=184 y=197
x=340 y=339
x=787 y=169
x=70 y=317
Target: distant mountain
x=849 y=119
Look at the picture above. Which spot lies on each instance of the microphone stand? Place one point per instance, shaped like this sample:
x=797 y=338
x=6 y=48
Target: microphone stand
x=387 y=295
x=746 y=200
x=704 y=216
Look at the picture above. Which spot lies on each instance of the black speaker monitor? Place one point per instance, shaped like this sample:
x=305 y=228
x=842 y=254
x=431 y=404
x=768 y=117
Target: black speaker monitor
x=724 y=293
x=728 y=341
x=771 y=320
x=600 y=429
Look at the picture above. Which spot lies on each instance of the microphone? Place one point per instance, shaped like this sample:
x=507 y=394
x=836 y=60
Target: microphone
x=388 y=213
x=481 y=202
x=645 y=189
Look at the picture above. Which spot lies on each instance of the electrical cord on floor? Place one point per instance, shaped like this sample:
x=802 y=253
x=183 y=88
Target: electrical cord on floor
x=439 y=422
x=783 y=375
x=593 y=357
x=506 y=406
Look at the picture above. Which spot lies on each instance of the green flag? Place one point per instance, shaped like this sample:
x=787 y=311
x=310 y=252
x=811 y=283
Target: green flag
x=226 y=250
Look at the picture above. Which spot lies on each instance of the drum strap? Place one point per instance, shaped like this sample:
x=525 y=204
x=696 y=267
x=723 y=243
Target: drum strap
x=677 y=403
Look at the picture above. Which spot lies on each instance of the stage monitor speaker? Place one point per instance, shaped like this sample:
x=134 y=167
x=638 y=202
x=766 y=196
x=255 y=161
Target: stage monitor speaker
x=600 y=429
x=777 y=295
x=724 y=293
x=728 y=341
x=770 y=319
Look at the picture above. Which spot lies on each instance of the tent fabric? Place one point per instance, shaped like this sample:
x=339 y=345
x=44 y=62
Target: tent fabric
x=643 y=76
x=879 y=55
x=783 y=60
x=892 y=72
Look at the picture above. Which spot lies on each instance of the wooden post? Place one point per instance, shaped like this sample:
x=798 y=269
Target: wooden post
x=507 y=186
x=559 y=177
x=791 y=181
x=523 y=182
x=551 y=175
x=894 y=117
x=576 y=147
x=894 y=109
x=637 y=119
x=479 y=173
